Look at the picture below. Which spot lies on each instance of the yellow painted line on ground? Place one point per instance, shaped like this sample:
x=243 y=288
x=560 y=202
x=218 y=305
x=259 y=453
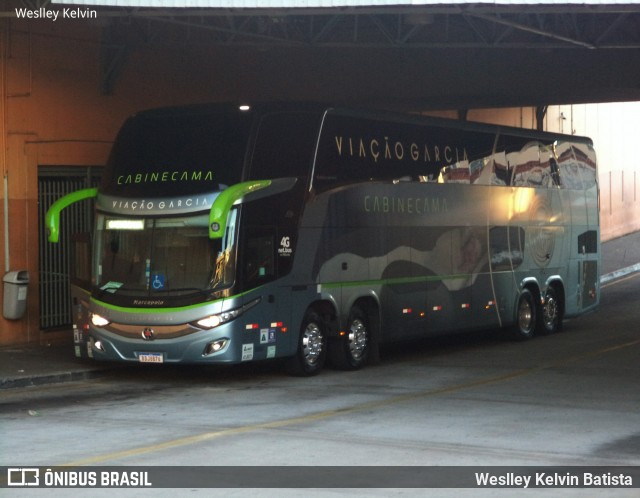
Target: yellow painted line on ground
x=591 y=354
x=206 y=436
x=326 y=414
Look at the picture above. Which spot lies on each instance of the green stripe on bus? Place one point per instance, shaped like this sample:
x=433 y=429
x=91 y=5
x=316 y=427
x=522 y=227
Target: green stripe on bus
x=395 y=281
x=126 y=309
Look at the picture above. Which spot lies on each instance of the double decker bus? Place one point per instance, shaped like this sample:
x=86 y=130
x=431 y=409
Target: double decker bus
x=229 y=234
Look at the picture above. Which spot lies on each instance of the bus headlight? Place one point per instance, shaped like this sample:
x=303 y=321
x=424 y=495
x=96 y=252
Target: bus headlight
x=216 y=320
x=213 y=321
x=99 y=321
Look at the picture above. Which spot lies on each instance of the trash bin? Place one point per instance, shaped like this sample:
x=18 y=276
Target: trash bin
x=15 y=294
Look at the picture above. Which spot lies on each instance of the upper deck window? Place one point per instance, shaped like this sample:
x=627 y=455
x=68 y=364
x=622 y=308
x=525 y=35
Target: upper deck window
x=356 y=149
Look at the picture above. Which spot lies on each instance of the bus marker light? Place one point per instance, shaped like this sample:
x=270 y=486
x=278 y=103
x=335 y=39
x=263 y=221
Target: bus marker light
x=276 y=324
x=422 y=314
x=284 y=329
x=437 y=308
x=252 y=326
x=407 y=311
x=465 y=306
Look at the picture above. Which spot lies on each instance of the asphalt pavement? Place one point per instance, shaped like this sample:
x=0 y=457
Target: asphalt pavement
x=31 y=365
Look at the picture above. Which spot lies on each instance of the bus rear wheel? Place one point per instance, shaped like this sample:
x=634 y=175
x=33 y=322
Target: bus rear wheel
x=351 y=351
x=525 y=325
x=312 y=347
x=550 y=319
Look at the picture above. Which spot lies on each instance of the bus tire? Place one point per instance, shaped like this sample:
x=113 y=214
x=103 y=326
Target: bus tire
x=312 y=347
x=526 y=309
x=550 y=316
x=351 y=351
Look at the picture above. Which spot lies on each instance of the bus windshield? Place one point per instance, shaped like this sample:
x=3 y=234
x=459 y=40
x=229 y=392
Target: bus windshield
x=153 y=257
x=181 y=153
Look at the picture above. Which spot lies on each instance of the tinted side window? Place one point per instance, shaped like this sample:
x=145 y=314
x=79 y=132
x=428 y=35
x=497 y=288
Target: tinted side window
x=259 y=256
x=285 y=145
x=355 y=149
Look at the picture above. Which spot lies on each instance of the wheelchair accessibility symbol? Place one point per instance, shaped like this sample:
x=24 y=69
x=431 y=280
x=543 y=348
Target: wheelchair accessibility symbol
x=157 y=282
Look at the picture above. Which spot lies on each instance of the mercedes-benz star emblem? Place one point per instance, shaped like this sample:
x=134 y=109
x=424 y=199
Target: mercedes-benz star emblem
x=148 y=334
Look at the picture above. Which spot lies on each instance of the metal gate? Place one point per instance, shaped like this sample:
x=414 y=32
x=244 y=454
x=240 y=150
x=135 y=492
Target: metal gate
x=55 y=259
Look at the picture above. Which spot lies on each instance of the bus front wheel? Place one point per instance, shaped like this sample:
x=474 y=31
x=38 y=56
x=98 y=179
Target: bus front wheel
x=312 y=347
x=525 y=316
x=350 y=351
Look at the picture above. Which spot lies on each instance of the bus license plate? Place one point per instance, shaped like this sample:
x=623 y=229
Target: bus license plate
x=150 y=358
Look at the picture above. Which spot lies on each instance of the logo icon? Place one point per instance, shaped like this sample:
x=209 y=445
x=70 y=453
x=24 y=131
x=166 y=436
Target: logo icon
x=23 y=476
x=158 y=281
x=148 y=334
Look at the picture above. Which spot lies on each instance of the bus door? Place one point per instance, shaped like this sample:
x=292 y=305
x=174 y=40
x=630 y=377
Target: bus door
x=495 y=288
x=589 y=274
x=448 y=290
x=459 y=259
x=268 y=246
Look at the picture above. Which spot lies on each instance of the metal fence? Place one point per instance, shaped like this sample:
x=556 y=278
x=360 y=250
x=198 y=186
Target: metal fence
x=55 y=259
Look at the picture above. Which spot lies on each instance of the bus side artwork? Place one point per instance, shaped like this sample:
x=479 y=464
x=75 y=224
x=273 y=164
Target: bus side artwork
x=316 y=234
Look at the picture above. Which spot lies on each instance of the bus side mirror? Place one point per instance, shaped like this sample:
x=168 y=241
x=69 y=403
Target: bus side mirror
x=52 y=218
x=246 y=191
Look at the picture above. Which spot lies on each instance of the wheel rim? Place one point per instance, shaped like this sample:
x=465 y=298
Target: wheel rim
x=525 y=315
x=550 y=312
x=312 y=343
x=358 y=338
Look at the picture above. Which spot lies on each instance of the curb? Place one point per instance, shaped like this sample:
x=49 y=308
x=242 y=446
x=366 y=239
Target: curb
x=39 y=380
x=619 y=273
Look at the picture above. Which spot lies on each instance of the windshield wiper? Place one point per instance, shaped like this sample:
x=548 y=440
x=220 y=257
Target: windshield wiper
x=110 y=288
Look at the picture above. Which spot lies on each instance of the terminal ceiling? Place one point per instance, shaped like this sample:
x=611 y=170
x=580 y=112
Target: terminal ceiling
x=434 y=56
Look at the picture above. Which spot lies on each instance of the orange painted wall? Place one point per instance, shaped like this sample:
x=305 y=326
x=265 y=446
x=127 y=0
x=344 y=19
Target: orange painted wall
x=53 y=114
